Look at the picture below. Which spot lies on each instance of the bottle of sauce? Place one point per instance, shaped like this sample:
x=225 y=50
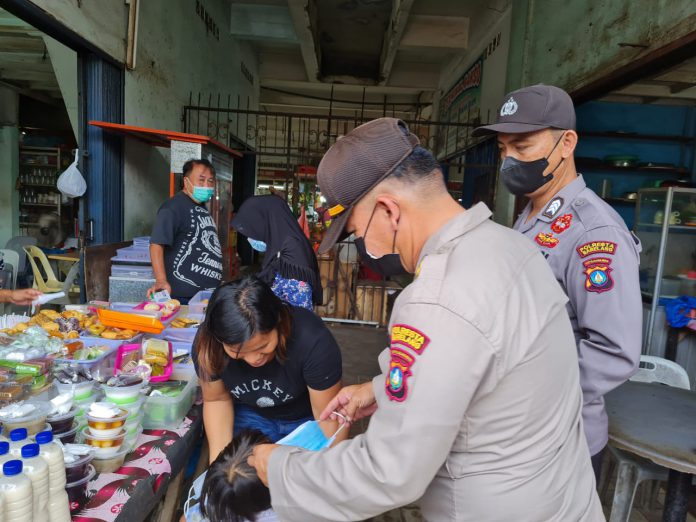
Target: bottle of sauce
x=16 y=492
x=18 y=438
x=52 y=454
x=37 y=470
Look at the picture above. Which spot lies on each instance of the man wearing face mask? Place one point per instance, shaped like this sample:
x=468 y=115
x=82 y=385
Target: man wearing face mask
x=185 y=249
x=591 y=252
x=477 y=411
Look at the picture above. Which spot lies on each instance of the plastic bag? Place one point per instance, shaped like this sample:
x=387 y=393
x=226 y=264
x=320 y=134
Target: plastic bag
x=71 y=183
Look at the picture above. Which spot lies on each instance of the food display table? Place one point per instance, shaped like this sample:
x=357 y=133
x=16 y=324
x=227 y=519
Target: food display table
x=133 y=491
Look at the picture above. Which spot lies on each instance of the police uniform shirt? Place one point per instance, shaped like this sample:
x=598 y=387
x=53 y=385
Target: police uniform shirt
x=479 y=403
x=595 y=259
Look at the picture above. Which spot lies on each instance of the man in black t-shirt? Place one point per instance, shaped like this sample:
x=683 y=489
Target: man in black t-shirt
x=184 y=247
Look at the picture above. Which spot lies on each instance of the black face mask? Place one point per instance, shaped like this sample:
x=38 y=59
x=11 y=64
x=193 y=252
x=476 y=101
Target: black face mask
x=525 y=177
x=388 y=264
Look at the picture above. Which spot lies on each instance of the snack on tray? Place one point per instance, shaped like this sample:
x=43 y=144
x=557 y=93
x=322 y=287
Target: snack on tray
x=65 y=325
x=184 y=322
x=156 y=354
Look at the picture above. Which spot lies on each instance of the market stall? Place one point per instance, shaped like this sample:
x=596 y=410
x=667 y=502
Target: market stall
x=110 y=384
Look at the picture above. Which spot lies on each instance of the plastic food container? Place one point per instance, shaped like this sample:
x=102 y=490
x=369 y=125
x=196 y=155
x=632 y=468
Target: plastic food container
x=105 y=428
x=162 y=314
x=123 y=394
x=133 y=424
x=140 y=323
x=167 y=370
x=78 y=469
x=111 y=463
x=183 y=371
x=179 y=335
x=86 y=337
x=199 y=302
x=132 y=439
x=76 y=490
x=133 y=408
x=84 y=404
x=80 y=390
x=63 y=422
x=68 y=437
x=12 y=392
x=34 y=422
x=104 y=447
x=167 y=412
x=102 y=366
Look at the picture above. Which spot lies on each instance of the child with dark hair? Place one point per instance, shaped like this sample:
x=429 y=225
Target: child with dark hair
x=232 y=491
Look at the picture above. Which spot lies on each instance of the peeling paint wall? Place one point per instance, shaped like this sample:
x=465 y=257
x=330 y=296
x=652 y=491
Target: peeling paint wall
x=575 y=43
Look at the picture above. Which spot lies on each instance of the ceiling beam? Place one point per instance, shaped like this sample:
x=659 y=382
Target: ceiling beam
x=23 y=44
x=36 y=95
x=304 y=19
x=392 y=37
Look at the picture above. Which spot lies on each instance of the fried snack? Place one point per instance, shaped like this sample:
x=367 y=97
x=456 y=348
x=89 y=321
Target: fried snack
x=183 y=322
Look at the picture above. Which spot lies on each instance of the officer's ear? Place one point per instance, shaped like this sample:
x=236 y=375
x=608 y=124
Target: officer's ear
x=568 y=143
x=391 y=207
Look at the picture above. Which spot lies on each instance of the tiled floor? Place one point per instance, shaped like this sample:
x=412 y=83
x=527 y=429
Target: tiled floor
x=360 y=347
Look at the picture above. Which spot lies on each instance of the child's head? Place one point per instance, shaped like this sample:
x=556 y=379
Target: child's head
x=232 y=490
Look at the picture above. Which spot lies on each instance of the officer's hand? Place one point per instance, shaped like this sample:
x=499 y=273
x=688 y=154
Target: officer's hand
x=159 y=285
x=354 y=402
x=259 y=460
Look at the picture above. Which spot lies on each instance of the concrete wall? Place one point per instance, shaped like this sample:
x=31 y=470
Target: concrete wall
x=64 y=63
x=103 y=23
x=576 y=43
x=174 y=59
x=9 y=165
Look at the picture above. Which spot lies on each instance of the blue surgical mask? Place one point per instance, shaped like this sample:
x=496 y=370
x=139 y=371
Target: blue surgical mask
x=309 y=436
x=202 y=194
x=257 y=245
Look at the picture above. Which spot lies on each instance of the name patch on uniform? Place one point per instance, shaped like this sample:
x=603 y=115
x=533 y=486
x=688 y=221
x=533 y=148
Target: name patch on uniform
x=399 y=372
x=409 y=337
x=562 y=223
x=546 y=240
x=597 y=247
x=553 y=207
x=598 y=274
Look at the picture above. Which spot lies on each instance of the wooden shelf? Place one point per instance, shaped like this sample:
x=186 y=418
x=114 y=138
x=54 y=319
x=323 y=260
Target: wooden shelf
x=636 y=136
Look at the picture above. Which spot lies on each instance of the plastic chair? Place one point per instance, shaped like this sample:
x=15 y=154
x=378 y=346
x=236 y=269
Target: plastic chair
x=46 y=281
x=11 y=258
x=632 y=470
x=17 y=244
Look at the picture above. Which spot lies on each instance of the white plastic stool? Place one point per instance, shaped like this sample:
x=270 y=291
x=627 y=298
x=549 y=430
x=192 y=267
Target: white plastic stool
x=631 y=469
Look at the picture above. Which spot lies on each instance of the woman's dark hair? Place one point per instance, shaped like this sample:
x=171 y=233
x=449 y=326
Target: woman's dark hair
x=232 y=491
x=236 y=312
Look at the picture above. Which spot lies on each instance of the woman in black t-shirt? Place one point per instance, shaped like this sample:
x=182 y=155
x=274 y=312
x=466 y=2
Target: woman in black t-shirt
x=262 y=364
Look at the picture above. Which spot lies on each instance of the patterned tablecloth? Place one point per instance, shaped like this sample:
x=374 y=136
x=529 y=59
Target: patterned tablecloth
x=134 y=489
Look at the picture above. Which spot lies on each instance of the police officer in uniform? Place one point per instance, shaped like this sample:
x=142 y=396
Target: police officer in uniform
x=591 y=252
x=477 y=411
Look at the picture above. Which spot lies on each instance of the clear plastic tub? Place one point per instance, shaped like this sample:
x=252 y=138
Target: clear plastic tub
x=76 y=490
x=111 y=463
x=78 y=469
x=62 y=422
x=80 y=390
x=104 y=447
x=183 y=371
x=100 y=367
x=136 y=271
x=34 y=422
x=106 y=428
x=133 y=424
x=68 y=437
x=132 y=439
x=199 y=302
x=122 y=395
x=85 y=336
x=178 y=335
x=133 y=408
x=168 y=412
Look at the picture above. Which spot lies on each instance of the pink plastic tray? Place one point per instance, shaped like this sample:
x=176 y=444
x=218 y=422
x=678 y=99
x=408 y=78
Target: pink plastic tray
x=165 y=318
x=125 y=349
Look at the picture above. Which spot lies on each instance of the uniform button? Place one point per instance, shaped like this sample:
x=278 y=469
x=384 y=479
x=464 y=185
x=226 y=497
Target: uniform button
x=579 y=202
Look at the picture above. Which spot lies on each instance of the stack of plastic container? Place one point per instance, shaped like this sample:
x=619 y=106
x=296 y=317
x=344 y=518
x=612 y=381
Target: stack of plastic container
x=131 y=272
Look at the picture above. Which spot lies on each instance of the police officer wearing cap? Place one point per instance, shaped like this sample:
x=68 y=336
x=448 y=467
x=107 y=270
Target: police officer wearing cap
x=591 y=252
x=477 y=410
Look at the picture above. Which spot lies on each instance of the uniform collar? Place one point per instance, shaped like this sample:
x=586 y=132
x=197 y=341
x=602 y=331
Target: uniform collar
x=556 y=205
x=455 y=227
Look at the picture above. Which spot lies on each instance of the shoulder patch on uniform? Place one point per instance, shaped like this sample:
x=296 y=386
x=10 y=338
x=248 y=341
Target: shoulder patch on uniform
x=562 y=223
x=598 y=274
x=546 y=240
x=399 y=372
x=553 y=207
x=597 y=247
x=409 y=337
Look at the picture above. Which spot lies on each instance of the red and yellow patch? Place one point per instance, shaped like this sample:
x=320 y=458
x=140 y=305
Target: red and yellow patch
x=546 y=240
x=596 y=247
x=399 y=372
x=562 y=223
x=409 y=337
x=598 y=274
